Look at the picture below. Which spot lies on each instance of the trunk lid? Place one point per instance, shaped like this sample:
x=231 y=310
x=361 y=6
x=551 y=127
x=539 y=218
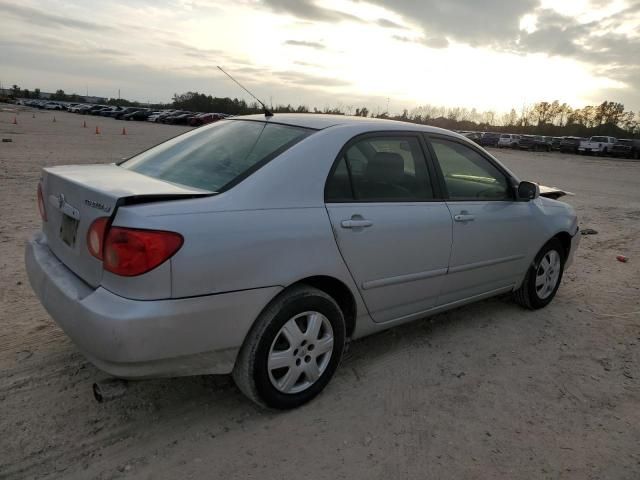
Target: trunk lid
x=75 y=195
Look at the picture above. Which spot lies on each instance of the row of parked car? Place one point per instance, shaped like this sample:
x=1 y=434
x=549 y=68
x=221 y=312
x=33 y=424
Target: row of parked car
x=172 y=117
x=596 y=145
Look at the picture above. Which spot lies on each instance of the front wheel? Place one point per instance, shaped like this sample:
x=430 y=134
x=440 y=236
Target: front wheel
x=543 y=277
x=293 y=349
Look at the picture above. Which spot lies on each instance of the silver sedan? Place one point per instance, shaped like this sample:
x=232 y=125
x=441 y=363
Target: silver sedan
x=259 y=246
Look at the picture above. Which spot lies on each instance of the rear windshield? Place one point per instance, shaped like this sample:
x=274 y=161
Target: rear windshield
x=216 y=156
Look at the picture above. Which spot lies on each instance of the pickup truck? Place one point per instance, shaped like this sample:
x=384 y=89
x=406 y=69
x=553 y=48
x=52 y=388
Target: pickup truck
x=597 y=145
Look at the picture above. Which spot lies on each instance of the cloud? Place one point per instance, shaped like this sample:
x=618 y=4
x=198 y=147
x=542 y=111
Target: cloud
x=383 y=22
x=35 y=42
x=432 y=42
x=302 y=43
x=192 y=50
x=45 y=19
x=307 y=80
x=597 y=43
x=465 y=21
x=308 y=10
x=306 y=64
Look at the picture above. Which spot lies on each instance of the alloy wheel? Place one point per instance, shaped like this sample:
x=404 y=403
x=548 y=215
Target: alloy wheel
x=300 y=352
x=548 y=274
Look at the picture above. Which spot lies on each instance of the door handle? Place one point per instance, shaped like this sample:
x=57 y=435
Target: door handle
x=464 y=217
x=356 y=223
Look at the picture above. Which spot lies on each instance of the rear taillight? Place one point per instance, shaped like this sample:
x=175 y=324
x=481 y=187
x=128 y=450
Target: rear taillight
x=41 y=209
x=95 y=236
x=130 y=252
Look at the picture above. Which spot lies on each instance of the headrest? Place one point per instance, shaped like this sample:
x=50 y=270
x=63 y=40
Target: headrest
x=385 y=167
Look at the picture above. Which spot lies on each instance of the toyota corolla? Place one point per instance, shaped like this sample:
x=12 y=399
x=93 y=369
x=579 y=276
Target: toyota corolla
x=258 y=246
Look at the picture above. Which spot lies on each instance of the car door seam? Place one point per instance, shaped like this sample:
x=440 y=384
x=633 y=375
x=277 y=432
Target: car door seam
x=344 y=260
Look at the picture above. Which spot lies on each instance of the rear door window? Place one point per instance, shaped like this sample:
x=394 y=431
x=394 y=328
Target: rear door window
x=217 y=156
x=380 y=169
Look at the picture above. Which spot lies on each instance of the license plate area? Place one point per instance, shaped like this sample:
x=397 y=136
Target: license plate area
x=68 y=230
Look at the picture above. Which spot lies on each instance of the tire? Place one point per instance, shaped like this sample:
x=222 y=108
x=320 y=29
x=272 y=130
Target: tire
x=290 y=386
x=534 y=297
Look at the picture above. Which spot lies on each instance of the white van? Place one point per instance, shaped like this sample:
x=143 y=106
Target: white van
x=508 y=140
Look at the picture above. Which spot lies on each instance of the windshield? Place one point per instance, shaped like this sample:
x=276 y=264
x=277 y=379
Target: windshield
x=625 y=142
x=212 y=157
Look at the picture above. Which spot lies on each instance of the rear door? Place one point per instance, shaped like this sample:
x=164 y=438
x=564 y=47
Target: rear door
x=491 y=230
x=392 y=229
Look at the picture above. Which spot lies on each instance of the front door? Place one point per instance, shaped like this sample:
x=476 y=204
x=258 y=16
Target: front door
x=393 y=235
x=490 y=228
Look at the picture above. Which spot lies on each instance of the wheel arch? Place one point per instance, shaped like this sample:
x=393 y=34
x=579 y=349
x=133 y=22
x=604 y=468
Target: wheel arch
x=565 y=240
x=563 y=237
x=337 y=290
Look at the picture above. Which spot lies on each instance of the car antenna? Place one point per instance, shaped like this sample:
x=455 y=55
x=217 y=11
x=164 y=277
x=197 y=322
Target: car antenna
x=267 y=113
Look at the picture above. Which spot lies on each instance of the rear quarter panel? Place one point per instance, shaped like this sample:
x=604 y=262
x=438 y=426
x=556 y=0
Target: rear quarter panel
x=239 y=250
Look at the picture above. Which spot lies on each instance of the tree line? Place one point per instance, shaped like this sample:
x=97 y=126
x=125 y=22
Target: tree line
x=542 y=118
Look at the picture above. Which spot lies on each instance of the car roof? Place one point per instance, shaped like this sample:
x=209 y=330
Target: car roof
x=320 y=121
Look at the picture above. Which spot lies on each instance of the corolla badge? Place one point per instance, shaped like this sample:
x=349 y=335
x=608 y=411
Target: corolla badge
x=98 y=205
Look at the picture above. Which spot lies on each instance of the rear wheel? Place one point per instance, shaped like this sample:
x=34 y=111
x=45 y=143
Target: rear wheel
x=293 y=350
x=543 y=277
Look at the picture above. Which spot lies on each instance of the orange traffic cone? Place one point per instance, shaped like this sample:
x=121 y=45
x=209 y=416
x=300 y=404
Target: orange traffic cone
x=97 y=130
x=84 y=124
x=124 y=132
x=15 y=120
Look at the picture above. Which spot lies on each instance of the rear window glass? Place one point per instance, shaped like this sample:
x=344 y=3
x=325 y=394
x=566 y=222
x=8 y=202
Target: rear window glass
x=215 y=156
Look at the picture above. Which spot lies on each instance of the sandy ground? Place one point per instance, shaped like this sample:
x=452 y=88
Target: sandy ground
x=486 y=391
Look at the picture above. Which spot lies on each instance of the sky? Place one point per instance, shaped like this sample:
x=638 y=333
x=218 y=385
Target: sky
x=395 y=54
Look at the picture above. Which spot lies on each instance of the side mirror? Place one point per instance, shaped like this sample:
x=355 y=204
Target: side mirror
x=528 y=191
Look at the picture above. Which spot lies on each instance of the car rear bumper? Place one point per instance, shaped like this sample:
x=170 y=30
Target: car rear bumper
x=136 y=339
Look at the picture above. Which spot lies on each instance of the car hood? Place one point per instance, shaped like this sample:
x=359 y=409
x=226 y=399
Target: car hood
x=552 y=192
